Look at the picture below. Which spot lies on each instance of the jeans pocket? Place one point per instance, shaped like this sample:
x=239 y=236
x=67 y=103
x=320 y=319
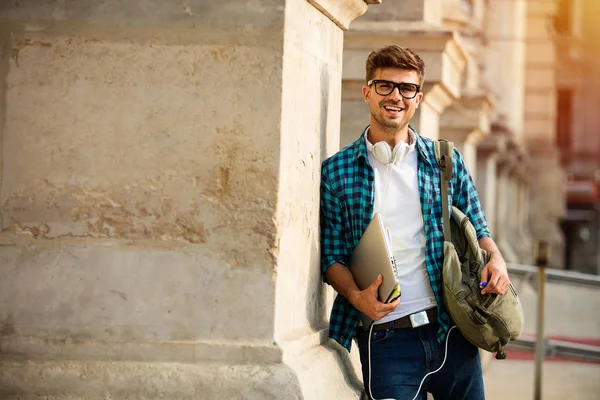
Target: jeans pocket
x=379 y=336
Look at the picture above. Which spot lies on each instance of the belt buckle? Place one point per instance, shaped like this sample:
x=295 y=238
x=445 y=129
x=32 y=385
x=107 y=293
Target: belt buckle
x=418 y=319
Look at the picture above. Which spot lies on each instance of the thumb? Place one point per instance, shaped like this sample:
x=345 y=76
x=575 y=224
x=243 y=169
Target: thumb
x=376 y=283
x=484 y=275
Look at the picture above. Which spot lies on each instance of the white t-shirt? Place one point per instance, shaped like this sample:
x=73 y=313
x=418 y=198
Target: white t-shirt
x=397 y=200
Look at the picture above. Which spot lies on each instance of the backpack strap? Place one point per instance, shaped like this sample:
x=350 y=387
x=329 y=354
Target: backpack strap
x=443 y=154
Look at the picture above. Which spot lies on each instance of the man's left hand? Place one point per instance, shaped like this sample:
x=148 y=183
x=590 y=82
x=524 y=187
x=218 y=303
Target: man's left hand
x=496 y=276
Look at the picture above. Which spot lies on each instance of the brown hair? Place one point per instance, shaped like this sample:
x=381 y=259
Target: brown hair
x=395 y=57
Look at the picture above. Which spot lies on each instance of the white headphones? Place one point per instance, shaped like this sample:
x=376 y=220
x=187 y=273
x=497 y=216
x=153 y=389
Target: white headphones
x=385 y=155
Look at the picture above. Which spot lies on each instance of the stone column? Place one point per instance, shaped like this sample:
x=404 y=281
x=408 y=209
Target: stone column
x=498 y=164
x=548 y=194
x=159 y=192
x=504 y=72
x=466 y=122
x=523 y=211
x=505 y=207
x=518 y=236
x=487 y=183
x=505 y=76
x=414 y=24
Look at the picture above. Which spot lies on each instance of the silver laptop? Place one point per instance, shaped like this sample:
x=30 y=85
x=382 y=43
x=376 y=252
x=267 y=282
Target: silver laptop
x=373 y=256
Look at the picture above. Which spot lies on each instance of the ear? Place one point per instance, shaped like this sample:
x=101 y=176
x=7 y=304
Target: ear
x=418 y=99
x=366 y=91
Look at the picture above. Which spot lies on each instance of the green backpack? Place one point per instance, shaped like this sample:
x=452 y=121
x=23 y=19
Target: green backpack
x=488 y=321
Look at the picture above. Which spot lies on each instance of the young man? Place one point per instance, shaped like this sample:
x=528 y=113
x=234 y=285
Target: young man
x=392 y=170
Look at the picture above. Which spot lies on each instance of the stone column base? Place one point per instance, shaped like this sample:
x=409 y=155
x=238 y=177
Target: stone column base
x=314 y=374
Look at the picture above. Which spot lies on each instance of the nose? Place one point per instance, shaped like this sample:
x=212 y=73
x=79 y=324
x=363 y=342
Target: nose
x=395 y=94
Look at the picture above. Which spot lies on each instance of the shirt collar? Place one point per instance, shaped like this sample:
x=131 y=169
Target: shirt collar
x=362 y=146
x=411 y=135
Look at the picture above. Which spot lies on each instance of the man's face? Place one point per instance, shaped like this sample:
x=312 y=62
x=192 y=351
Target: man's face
x=392 y=112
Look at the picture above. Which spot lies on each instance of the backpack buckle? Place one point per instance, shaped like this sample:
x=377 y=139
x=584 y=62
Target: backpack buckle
x=444 y=161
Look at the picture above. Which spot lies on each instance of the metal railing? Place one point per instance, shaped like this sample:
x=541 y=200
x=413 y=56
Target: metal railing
x=553 y=347
x=556 y=275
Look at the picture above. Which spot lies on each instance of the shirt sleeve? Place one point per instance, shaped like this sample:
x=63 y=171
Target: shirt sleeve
x=465 y=197
x=333 y=244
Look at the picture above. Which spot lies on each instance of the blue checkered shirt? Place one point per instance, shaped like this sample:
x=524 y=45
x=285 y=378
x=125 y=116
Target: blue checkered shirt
x=347 y=198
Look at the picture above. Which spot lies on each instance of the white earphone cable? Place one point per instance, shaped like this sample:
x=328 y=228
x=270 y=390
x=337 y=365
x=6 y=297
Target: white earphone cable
x=422 y=380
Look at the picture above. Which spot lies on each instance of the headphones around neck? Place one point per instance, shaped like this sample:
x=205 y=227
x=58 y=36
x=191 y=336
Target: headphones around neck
x=385 y=155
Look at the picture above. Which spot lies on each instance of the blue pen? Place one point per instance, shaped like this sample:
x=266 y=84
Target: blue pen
x=483 y=284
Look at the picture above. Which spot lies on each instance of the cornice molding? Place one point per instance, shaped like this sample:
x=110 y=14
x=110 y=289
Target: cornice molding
x=445 y=58
x=491 y=145
x=343 y=12
x=438 y=96
x=468 y=118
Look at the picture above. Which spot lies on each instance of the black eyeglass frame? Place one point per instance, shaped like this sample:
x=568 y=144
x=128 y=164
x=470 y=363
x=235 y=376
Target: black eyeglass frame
x=395 y=85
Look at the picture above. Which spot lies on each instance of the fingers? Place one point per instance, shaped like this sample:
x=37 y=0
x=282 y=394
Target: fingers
x=492 y=282
x=373 y=288
x=498 y=284
x=502 y=285
x=367 y=301
x=376 y=283
x=392 y=305
x=382 y=309
x=484 y=274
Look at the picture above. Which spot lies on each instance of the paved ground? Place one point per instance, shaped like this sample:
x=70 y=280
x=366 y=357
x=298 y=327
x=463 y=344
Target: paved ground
x=571 y=313
x=514 y=380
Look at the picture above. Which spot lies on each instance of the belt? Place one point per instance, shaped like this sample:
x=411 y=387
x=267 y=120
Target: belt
x=406 y=322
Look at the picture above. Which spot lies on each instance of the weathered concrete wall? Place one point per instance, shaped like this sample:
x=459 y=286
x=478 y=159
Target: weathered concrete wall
x=119 y=136
x=159 y=195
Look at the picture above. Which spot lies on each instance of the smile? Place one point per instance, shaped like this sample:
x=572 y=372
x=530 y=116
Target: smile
x=393 y=108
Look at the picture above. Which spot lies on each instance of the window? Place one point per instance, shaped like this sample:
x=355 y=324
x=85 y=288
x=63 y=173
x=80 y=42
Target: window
x=563 y=18
x=564 y=123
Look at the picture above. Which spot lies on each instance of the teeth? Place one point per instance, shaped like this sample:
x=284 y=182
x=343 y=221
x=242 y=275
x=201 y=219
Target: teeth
x=393 y=108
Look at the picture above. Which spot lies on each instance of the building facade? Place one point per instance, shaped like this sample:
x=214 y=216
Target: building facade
x=578 y=128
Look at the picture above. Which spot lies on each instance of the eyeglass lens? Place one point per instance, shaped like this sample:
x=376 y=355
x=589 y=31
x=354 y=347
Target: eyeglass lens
x=407 y=90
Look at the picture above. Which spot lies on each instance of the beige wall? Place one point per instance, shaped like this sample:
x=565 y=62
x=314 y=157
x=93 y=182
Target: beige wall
x=105 y=174
x=160 y=196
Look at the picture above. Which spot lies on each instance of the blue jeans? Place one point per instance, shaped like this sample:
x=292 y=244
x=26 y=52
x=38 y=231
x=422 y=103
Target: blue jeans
x=400 y=358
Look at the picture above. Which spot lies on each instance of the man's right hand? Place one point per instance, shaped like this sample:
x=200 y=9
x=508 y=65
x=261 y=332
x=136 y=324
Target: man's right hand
x=367 y=301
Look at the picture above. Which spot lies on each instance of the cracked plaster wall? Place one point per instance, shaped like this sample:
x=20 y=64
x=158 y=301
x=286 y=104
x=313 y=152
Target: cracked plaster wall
x=140 y=169
x=98 y=144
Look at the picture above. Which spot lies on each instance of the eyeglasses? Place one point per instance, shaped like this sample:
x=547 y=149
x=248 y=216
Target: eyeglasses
x=385 y=88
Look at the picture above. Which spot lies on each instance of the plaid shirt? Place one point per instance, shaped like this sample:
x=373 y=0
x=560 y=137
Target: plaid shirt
x=347 y=198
